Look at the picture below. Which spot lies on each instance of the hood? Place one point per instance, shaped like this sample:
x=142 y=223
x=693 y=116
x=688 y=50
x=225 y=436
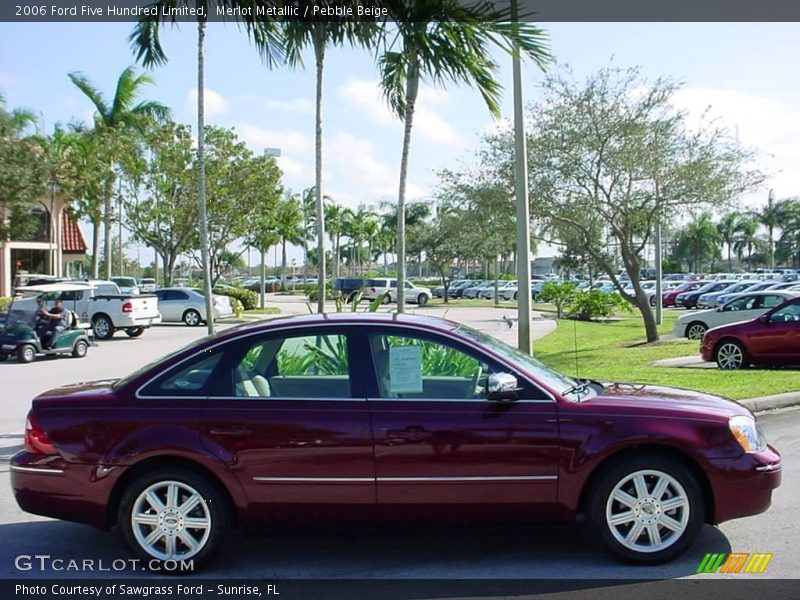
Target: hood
x=80 y=391
x=665 y=401
x=693 y=316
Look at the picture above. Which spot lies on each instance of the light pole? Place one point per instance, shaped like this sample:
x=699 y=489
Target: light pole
x=275 y=153
x=51 y=233
x=523 y=210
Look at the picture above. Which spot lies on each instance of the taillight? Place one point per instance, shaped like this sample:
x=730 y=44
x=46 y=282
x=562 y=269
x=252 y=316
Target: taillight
x=36 y=440
x=127 y=307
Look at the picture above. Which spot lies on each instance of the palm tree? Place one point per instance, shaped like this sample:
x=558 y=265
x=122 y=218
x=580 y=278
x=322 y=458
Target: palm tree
x=320 y=35
x=334 y=224
x=728 y=228
x=146 y=44
x=289 y=226
x=698 y=243
x=789 y=218
x=769 y=216
x=447 y=42
x=123 y=115
x=747 y=239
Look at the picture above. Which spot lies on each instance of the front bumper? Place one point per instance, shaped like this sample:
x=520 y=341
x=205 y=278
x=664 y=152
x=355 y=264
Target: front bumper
x=743 y=486
x=52 y=487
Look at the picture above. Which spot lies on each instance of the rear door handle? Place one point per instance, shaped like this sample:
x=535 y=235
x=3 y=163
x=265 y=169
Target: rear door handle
x=409 y=434
x=235 y=432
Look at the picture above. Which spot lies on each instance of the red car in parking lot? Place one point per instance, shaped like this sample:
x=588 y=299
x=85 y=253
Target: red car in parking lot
x=384 y=419
x=770 y=339
x=668 y=298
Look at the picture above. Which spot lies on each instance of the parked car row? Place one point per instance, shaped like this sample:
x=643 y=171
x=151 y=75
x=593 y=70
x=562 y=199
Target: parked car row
x=380 y=287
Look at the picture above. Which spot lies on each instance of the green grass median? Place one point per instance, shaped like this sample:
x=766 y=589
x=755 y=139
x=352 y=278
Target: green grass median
x=615 y=351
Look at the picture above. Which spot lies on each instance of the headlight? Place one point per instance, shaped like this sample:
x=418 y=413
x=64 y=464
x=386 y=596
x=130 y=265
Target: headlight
x=748 y=433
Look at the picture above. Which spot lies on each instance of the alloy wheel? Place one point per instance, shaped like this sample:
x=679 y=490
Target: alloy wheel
x=695 y=331
x=730 y=356
x=647 y=511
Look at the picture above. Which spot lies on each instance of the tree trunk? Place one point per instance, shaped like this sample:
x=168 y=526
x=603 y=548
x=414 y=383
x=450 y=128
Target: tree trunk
x=263 y=278
x=412 y=88
x=319 y=52
x=107 y=217
x=95 y=249
x=283 y=264
x=201 y=174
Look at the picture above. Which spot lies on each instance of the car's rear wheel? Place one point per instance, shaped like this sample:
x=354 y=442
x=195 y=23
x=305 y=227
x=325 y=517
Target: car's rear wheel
x=647 y=509
x=386 y=299
x=80 y=349
x=26 y=353
x=103 y=327
x=516 y=295
x=696 y=330
x=731 y=355
x=173 y=514
x=191 y=317
x=422 y=299
x=134 y=332
x=652 y=300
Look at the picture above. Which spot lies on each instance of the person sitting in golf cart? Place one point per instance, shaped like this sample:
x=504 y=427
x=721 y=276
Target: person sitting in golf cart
x=51 y=322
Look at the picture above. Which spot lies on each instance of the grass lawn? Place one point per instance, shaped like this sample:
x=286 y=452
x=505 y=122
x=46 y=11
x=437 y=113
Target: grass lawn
x=607 y=352
x=269 y=310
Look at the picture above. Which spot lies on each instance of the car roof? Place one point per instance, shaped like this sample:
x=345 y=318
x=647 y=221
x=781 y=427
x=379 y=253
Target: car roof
x=53 y=287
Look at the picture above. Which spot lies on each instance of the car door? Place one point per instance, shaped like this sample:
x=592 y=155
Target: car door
x=445 y=452
x=289 y=419
x=777 y=337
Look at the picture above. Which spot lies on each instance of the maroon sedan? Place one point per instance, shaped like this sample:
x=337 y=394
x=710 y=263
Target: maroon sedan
x=376 y=418
x=771 y=339
x=669 y=298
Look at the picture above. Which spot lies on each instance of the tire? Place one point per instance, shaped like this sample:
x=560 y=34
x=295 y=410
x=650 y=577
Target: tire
x=26 y=353
x=731 y=355
x=191 y=318
x=386 y=299
x=422 y=299
x=516 y=295
x=139 y=518
x=134 y=332
x=666 y=523
x=696 y=330
x=80 y=349
x=103 y=327
x=652 y=300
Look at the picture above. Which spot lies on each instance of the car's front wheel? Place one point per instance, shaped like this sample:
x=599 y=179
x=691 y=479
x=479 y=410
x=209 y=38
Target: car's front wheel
x=422 y=299
x=647 y=509
x=731 y=355
x=191 y=317
x=103 y=327
x=134 y=332
x=696 y=330
x=173 y=514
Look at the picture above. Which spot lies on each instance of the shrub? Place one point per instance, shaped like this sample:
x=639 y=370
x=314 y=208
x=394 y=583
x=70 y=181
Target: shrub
x=248 y=299
x=585 y=306
x=557 y=293
x=5 y=302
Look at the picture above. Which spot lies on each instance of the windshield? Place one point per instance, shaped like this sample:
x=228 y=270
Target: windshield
x=124 y=281
x=525 y=362
x=22 y=312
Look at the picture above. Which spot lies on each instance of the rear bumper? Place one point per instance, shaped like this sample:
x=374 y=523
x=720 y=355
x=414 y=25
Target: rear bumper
x=52 y=487
x=132 y=321
x=743 y=486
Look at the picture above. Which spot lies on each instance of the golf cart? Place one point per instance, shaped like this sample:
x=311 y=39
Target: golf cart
x=19 y=337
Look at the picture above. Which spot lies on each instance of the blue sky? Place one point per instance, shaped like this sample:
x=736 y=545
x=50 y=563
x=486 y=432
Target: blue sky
x=746 y=73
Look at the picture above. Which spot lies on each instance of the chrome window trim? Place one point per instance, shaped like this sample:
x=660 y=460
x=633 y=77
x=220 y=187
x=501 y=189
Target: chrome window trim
x=394 y=324
x=39 y=471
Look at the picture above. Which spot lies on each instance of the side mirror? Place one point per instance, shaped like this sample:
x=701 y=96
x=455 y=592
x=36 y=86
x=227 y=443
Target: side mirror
x=502 y=386
x=764 y=320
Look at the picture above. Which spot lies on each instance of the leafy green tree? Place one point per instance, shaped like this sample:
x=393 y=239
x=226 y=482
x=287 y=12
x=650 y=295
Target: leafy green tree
x=747 y=240
x=613 y=150
x=335 y=217
x=445 y=41
x=119 y=117
x=788 y=247
x=146 y=44
x=288 y=217
x=23 y=176
x=728 y=228
x=161 y=208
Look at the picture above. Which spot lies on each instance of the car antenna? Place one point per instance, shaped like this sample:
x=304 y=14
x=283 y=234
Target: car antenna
x=575 y=337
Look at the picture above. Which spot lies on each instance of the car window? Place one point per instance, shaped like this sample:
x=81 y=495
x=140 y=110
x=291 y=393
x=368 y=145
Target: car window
x=310 y=366
x=188 y=379
x=773 y=301
x=787 y=314
x=407 y=366
x=177 y=295
x=745 y=303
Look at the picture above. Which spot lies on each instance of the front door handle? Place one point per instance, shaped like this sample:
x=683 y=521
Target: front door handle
x=409 y=434
x=234 y=432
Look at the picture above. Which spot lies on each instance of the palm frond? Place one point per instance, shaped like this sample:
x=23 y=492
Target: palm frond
x=85 y=85
x=146 y=42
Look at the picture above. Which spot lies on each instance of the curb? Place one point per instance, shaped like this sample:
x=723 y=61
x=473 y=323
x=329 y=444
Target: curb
x=772 y=402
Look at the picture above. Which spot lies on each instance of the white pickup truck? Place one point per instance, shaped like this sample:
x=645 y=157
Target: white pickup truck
x=108 y=310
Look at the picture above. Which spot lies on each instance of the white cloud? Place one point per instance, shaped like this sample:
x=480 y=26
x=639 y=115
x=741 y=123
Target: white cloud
x=771 y=127
x=366 y=96
x=292 y=168
x=289 y=141
x=214 y=103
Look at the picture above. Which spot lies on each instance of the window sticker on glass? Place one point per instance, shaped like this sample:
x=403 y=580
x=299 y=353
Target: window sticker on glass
x=405 y=369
